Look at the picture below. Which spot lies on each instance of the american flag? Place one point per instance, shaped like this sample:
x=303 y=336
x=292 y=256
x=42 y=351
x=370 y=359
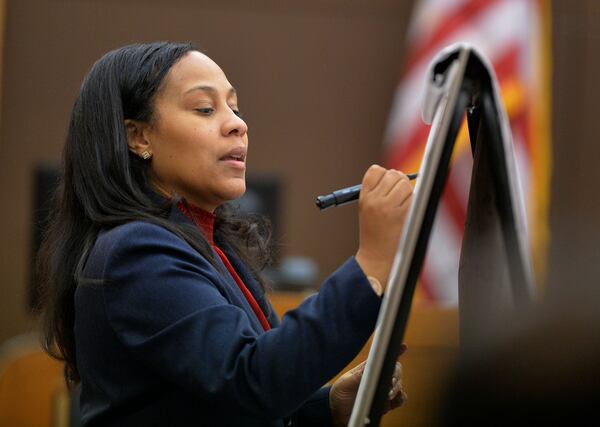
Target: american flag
x=513 y=34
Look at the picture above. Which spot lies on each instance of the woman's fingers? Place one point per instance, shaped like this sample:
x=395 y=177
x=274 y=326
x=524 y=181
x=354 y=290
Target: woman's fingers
x=380 y=181
x=403 y=348
x=391 y=185
x=400 y=192
x=389 y=180
x=397 y=395
x=358 y=370
x=382 y=207
x=372 y=177
x=398 y=400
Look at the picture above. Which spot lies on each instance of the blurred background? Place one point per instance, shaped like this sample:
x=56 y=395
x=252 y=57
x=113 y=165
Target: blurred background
x=329 y=87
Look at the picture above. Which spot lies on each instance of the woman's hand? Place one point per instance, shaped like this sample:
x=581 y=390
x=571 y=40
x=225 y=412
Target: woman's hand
x=384 y=202
x=343 y=392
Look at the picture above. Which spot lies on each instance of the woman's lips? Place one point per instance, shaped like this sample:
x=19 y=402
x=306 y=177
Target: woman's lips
x=235 y=158
x=238 y=163
x=239 y=158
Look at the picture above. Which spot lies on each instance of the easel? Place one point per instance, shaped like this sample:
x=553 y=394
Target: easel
x=495 y=270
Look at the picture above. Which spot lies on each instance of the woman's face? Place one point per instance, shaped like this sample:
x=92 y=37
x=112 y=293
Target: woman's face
x=197 y=139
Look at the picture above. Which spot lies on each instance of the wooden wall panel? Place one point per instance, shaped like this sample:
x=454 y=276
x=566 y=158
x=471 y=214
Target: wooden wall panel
x=574 y=260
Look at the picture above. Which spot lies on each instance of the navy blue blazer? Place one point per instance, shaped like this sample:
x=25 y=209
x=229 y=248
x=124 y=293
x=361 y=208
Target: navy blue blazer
x=165 y=339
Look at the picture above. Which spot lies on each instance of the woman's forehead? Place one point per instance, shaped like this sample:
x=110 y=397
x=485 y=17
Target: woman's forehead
x=195 y=70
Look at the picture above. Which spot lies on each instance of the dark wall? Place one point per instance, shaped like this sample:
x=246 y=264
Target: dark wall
x=315 y=80
x=574 y=259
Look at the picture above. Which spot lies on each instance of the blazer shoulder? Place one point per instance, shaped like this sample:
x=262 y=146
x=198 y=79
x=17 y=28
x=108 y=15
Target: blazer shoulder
x=138 y=233
x=136 y=237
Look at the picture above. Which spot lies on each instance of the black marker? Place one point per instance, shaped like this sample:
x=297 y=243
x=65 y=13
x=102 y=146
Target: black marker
x=345 y=195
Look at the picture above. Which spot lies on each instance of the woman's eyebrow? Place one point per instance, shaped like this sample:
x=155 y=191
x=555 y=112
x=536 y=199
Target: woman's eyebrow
x=211 y=89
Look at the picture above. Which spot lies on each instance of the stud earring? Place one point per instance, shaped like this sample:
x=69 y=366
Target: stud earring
x=146 y=155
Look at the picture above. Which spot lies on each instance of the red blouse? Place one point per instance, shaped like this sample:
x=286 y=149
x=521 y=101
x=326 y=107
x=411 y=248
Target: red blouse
x=206 y=221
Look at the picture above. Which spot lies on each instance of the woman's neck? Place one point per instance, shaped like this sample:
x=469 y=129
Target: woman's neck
x=170 y=194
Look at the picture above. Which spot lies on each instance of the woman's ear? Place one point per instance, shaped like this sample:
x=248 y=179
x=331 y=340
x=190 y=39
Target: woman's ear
x=137 y=140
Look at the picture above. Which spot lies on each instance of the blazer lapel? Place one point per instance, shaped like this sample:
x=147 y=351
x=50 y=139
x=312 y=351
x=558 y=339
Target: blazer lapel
x=179 y=217
x=248 y=278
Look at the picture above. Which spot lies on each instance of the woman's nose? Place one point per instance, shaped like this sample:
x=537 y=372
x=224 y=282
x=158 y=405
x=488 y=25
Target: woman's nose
x=235 y=125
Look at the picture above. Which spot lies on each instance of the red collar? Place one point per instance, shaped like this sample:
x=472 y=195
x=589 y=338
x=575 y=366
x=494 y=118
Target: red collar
x=203 y=219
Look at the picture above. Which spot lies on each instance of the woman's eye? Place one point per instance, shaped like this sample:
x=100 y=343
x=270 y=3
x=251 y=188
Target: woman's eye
x=237 y=112
x=206 y=111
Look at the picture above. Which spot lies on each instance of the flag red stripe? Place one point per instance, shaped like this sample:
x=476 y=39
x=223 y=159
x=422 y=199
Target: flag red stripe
x=399 y=152
x=507 y=63
x=520 y=122
x=455 y=21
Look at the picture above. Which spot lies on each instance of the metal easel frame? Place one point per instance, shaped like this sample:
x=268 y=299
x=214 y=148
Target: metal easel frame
x=460 y=80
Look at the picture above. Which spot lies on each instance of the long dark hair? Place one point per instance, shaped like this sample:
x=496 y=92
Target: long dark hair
x=103 y=185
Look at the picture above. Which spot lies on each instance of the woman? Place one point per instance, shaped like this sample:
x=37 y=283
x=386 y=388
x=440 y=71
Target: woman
x=153 y=294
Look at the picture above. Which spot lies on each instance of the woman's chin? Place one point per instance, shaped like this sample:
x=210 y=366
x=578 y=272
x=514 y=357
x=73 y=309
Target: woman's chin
x=235 y=191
